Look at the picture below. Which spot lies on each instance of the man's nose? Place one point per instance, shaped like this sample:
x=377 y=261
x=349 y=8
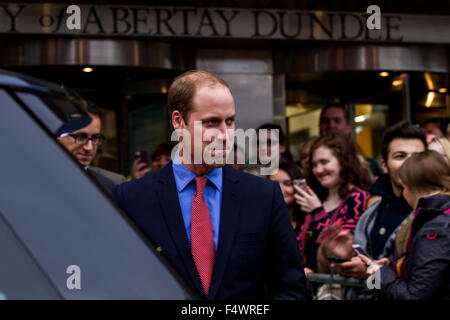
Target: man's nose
x=88 y=146
x=224 y=132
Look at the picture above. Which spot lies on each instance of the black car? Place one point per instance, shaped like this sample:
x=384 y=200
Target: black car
x=61 y=235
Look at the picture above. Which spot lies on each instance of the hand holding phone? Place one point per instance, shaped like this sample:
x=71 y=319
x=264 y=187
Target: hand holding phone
x=300 y=183
x=142 y=156
x=359 y=250
x=140 y=165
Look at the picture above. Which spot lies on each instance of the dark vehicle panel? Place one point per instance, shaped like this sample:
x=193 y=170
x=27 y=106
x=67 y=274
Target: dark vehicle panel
x=60 y=217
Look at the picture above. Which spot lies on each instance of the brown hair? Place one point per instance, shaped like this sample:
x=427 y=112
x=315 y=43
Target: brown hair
x=352 y=171
x=426 y=172
x=162 y=149
x=182 y=90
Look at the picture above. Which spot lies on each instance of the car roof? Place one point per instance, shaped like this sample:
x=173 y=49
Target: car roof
x=23 y=83
x=17 y=80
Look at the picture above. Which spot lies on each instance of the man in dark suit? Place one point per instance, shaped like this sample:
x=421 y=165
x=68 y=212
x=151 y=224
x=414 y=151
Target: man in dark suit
x=83 y=145
x=226 y=232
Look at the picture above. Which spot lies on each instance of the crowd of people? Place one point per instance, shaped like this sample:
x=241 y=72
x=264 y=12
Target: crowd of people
x=264 y=234
x=400 y=220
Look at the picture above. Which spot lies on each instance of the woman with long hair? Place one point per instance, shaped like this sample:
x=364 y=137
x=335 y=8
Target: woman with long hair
x=336 y=193
x=285 y=176
x=421 y=261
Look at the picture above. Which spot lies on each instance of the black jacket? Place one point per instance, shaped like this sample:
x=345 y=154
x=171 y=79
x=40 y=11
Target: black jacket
x=391 y=212
x=256 y=245
x=428 y=264
x=105 y=182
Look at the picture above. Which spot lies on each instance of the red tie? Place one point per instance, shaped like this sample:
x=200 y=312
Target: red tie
x=201 y=235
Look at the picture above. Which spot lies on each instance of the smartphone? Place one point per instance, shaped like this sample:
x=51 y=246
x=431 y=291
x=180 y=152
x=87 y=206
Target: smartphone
x=336 y=259
x=359 y=250
x=142 y=156
x=301 y=183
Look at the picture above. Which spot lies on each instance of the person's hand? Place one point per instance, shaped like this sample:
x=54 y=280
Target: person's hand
x=339 y=242
x=139 y=169
x=308 y=271
x=354 y=268
x=373 y=266
x=307 y=200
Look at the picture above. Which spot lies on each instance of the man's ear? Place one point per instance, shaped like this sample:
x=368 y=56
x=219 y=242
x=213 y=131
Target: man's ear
x=384 y=166
x=177 y=120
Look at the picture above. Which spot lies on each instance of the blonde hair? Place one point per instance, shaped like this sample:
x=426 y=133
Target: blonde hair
x=445 y=144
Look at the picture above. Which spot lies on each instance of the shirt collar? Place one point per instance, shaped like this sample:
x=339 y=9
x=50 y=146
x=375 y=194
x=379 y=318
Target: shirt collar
x=183 y=176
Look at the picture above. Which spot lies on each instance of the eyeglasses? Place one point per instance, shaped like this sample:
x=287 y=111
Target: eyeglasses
x=83 y=138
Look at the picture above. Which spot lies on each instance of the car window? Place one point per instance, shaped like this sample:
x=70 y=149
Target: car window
x=64 y=219
x=41 y=110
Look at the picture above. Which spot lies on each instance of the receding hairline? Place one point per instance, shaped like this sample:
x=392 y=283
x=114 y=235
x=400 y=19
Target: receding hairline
x=184 y=89
x=200 y=78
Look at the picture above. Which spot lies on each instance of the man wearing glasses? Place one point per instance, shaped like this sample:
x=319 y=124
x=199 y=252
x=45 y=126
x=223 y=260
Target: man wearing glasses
x=83 y=145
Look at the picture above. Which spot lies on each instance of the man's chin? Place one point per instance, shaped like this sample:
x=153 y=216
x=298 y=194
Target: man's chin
x=216 y=165
x=84 y=162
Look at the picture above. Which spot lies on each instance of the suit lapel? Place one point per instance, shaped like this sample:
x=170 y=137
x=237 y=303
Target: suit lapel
x=168 y=195
x=228 y=225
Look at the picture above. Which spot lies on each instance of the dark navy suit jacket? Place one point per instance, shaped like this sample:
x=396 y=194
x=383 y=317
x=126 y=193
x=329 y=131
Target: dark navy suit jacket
x=257 y=246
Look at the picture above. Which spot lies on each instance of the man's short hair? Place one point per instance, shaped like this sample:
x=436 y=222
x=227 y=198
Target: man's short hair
x=182 y=90
x=441 y=122
x=92 y=108
x=338 y=106
x=163 y=149
x=405 y=130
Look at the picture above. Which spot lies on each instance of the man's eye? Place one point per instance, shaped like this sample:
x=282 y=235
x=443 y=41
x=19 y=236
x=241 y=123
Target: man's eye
x=230 y=121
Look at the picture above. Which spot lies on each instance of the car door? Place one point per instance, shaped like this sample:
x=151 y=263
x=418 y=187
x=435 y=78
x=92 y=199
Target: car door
x=61 y=235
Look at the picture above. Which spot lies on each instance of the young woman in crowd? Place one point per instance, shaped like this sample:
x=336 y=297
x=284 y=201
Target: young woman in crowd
x=421 y=263
x=285 y=176
x=336 y=196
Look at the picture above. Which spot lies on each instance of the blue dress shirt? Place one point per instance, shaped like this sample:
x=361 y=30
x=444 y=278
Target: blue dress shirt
x=184 y=180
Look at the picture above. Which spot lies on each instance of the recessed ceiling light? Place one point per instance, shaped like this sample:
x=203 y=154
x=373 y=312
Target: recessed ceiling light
x=88 y=69
x=442 y=90
x=384 y=74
